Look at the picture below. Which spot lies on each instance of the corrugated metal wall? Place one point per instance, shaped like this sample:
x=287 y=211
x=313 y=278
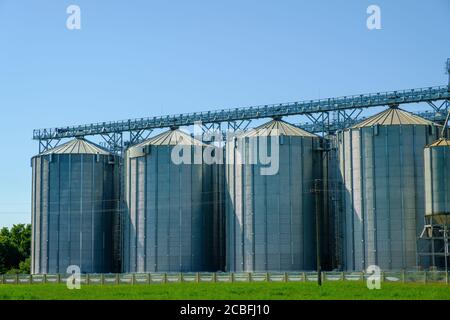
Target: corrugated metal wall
x=333 y=192
x=437 y=199
x=75 y=200
x=382 y=172
x=218 y=201
x=271 y=218
x=437 y=183
x=172 y=220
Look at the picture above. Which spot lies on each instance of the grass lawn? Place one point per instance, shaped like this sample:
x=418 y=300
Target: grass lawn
x=228 y=291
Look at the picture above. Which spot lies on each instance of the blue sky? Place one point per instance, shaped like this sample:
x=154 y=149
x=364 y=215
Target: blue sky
x=145 y=58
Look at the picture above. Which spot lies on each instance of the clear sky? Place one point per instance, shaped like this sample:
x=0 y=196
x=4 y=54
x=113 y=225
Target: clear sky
x=144 y=58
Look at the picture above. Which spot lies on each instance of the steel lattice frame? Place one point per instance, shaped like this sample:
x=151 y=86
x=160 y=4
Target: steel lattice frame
x=326 y=116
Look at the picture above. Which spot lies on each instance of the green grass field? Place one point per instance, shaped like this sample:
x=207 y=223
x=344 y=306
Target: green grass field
x=228 y=291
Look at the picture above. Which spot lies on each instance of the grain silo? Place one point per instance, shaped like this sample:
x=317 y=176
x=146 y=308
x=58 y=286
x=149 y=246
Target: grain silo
x=270 y=206
x=437 y=182
x=437 y=204
x=74 y=204
x=171 y=221
x=381 y=164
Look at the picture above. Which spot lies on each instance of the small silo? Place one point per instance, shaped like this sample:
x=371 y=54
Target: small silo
x=437 y=182
x=437 y=202
x=381 y=167
x=74 y=204
x=171 y=222
x=270 y=208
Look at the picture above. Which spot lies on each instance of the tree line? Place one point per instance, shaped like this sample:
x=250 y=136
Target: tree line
x=15 y=249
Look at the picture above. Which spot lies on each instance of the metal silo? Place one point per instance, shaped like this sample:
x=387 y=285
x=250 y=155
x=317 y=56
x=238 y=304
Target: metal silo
x=437 y=204
x=171 y=221
x=437 y=182
x=381 y=167
x=270 y=216
x=74 y=203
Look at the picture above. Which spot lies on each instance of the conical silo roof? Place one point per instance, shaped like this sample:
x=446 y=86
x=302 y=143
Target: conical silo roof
x=442 y=142
x=393 y=116
x=77 y=146
x=278 y=128
x=171 y=137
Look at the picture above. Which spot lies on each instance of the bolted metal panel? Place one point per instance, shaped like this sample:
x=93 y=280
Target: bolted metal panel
x=172 y=221
x=437 y=182
x=382 y=174
x=218 y=201
x=333 y=220
x=270 y=219
x=36 y=215
x=75 y=197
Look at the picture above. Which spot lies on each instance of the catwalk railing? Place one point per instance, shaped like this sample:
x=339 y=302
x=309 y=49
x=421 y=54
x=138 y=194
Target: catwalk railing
x=307 y=107
x=155 y=278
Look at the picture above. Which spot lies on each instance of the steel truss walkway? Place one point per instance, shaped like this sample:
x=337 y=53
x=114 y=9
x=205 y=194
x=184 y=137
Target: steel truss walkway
x=326 y=116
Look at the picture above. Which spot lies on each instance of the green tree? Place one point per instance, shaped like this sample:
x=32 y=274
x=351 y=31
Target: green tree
x=20 y=236
x=25 y=266
x=15 y=247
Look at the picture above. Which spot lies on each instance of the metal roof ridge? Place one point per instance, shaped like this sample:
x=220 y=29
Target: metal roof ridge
x=77 y=146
